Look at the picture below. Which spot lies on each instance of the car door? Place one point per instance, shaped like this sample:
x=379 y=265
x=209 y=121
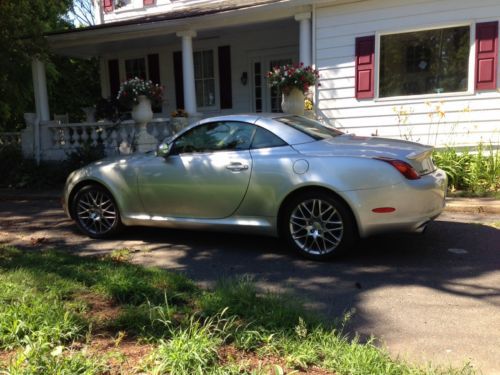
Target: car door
x=206 y=174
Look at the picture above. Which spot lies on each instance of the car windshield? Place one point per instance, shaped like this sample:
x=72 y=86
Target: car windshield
x=312 y=128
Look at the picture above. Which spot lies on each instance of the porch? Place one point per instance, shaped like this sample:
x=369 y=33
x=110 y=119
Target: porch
x=210 y=63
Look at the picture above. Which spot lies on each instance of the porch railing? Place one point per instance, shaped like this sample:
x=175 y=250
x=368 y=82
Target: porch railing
x=10 y=138
x=57 y=140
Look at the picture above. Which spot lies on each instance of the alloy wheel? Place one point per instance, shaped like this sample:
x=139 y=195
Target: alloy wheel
x=96 y=211
x=316 y=226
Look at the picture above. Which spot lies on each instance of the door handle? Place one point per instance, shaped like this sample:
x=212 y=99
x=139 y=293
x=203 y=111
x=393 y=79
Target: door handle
x=237 y=167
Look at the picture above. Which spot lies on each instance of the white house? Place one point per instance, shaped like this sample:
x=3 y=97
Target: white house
x=424 y=70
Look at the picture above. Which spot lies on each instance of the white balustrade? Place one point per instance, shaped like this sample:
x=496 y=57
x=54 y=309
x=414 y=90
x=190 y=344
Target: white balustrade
x=10 y=138
x=60 y=139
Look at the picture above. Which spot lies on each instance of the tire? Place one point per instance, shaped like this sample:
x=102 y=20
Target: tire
x=318 y=225
x=96 y=212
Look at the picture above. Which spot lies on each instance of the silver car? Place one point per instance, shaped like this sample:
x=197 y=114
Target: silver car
x=276 y=174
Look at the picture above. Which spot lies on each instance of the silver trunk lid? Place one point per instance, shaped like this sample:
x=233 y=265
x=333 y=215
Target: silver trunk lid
x=417 y=155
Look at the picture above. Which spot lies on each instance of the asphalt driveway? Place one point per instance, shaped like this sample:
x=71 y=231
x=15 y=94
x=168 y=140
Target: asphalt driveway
x=432 y=297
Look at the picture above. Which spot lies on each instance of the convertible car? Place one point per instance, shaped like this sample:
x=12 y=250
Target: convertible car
x=273 y=174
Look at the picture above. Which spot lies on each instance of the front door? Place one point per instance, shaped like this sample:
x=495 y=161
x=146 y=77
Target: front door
x=206 y=175
x=266 y=99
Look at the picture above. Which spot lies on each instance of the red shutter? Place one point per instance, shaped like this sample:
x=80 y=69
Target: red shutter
x=178 y=79
x=225 y=85
x=149 y=2
x=114 y=77
x=154 y=68
x=108 y=5
x=365 y=67
x=486 y=55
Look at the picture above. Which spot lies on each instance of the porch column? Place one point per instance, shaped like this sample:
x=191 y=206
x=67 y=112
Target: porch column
x=40 y=90
x=188 y=71
x=305 y=37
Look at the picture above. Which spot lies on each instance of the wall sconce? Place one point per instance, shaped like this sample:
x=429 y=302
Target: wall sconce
x=244 y=78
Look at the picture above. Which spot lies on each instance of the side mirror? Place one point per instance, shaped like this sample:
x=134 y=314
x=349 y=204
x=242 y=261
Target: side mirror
x=164 y=150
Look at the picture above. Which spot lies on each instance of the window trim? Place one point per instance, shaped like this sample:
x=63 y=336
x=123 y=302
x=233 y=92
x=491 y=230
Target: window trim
x=472 y=63
x=215 y=55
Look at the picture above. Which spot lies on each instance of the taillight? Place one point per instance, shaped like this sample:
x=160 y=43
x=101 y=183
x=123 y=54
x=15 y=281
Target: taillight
x=403 y=167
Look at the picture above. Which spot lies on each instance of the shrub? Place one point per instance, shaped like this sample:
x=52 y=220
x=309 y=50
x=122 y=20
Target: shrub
x=474 y=172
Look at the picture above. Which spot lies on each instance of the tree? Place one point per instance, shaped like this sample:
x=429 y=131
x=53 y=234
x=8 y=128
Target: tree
x=81 y=13
x=22 y=25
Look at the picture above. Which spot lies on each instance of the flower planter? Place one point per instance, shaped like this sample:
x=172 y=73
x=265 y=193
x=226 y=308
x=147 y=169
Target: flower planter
x=293 y=102
x=142 y=112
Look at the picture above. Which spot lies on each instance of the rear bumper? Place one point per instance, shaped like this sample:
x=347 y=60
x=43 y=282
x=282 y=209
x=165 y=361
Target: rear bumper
x=416 y=203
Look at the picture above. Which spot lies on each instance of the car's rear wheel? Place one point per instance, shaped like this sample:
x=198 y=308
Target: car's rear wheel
x=318 y=225
x=95 y=212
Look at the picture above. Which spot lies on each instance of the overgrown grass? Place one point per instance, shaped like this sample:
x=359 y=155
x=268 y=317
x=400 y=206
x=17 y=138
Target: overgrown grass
x=45 y=318
x=471 y=172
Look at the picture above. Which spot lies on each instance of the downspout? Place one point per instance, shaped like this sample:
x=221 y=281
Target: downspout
x=313 y=57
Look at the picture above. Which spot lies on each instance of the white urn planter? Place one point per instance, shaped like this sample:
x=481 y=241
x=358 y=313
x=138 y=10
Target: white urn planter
x=293 y=102
x=142 y=114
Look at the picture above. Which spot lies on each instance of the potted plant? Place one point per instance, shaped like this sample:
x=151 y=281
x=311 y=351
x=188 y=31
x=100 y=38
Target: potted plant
x=294 y=82
x=138 y=94
x=179 y=120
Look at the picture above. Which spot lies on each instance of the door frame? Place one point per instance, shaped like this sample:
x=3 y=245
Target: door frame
x=264 y=57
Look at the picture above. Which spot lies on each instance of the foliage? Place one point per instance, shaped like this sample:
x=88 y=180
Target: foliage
x=71 y=85
x=18 y=172
x=289 y=76
x=179 y=113
x=477 y=172
x=131 y=89
x=110 y=109
x=21 y=38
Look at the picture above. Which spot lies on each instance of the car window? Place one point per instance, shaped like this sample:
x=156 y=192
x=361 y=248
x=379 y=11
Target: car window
x=215 y=136
x=312 y=128
x=264 y=138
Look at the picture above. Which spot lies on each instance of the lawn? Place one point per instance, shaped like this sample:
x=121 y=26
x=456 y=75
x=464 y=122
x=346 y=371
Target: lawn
x=64 y=314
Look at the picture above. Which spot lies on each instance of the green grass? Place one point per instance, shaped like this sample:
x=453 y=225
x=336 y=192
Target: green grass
x=49 y=322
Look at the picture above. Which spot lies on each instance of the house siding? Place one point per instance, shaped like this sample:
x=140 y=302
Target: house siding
x=448 y=119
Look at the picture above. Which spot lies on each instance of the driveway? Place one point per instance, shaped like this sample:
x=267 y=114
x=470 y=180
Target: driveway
x=432 y=297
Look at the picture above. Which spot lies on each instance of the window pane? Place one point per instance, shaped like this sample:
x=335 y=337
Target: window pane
x=199 y=92
x=204 y=78
x=264 y=138
x=424 y=62
x=135 y=68
x=209 y=93
x=216 y=136
x=208 y=64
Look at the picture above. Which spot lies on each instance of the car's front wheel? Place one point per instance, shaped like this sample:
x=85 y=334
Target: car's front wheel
x=318 y=225
x=95 y=212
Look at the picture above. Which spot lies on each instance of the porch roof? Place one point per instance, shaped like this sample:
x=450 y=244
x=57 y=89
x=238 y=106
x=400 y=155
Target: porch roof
x=160 y=29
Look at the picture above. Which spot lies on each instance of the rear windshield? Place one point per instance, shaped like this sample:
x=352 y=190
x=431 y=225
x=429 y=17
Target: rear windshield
x=312 y=128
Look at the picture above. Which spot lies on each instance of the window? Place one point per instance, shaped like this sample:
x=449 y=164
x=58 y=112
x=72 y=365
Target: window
x=204 y=78
x=312 y=128
x=135 y=68
x=264 y=138
x=215 y=136
x=424 y=62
